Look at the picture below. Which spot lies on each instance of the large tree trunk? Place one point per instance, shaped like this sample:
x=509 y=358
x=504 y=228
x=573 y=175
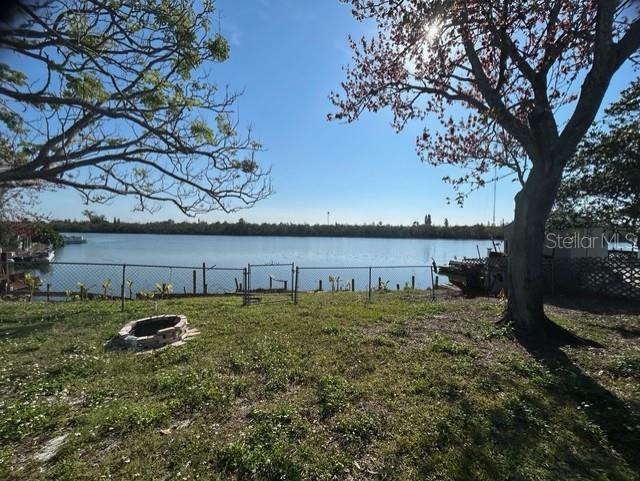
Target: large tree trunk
x=525 y=307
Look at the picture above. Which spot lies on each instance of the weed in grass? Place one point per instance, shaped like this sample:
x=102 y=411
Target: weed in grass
x=356 y=428
x=270 y=450
x=335 y=394
x=124 y=416
x=624 y=367
x=192 y=389
x=441 y=344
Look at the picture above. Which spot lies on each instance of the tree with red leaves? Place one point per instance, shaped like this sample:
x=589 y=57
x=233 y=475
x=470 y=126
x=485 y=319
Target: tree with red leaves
x=530 y=75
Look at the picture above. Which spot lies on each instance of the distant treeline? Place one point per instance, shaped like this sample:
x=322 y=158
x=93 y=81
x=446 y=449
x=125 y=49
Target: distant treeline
x=478 y=231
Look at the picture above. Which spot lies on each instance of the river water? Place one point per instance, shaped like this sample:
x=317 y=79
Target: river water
x=336 y=259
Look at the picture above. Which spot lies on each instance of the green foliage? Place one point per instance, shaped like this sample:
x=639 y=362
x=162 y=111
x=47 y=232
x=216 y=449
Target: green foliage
x=219 y=48
x=123 y=78
x=600 y=186
x=307 y=230
x=32 y=283
x=202 y=132
x=85 y=87
x=163 y=290
x=45 y=234
x=106 y=288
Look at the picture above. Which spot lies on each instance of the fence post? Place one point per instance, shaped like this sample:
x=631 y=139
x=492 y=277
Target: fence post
x=48 y=292
x=295 y=295
x=353 y=285
x=124 y=273
x=248 y=280
x=369 y=283
x=244 y=286
x=204 y=278
x=413 y=282
x=292 y=279
x=194 y=282
x=433 y=285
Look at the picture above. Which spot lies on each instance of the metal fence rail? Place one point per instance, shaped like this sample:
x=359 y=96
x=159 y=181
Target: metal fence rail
x=253 y=284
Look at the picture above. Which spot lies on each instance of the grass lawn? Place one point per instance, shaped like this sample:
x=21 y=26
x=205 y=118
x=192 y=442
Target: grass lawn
x=333 y=388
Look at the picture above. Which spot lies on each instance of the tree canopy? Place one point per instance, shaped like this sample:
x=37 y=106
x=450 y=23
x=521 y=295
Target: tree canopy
x=116 y=98
x=511 y=65
x=602 y=183
x=528 y=78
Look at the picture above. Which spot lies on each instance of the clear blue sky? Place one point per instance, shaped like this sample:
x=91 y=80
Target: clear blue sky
x=287 y=56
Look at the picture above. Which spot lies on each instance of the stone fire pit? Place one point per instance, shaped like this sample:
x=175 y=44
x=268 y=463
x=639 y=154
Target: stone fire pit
x=153 y=332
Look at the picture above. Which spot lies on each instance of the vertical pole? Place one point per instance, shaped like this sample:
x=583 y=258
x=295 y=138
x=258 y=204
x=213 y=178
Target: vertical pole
x=295 y=296
x=369 y=283
x=433 y=285
x=194 y=282
x=353 y=285
x=270 y=282
x=320 y=285
x=248 y=280
x=244 y=287
x=292 y=279
x=204 y=278
x=48 y=292
x=124 y=273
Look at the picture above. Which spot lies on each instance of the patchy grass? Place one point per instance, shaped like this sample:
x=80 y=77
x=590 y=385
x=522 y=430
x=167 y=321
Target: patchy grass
x=333 y=388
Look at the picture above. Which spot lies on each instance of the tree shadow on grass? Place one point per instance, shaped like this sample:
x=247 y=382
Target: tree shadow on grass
x=623 y=331
x=619 y=422
x=25 y=326
x=15 y=331
x=594 y=305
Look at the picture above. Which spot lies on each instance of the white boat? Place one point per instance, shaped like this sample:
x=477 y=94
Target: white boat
x=37 y=257
x=73 y=239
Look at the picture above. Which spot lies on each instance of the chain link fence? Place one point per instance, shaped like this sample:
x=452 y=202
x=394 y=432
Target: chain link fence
x=253 y=284
x=73 y=280
x=415 y=281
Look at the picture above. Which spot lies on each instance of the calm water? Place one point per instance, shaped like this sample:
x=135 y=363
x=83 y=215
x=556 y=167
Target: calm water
x=231 y=251
x=332 y=255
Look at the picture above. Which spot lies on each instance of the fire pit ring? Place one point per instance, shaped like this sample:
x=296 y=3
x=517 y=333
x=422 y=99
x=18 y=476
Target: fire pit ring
x=154 y=332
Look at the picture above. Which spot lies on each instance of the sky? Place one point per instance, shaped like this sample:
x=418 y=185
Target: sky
x=287 y=56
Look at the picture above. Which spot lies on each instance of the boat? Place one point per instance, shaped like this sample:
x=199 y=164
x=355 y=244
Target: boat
x=45 y=256
x=73 y=239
